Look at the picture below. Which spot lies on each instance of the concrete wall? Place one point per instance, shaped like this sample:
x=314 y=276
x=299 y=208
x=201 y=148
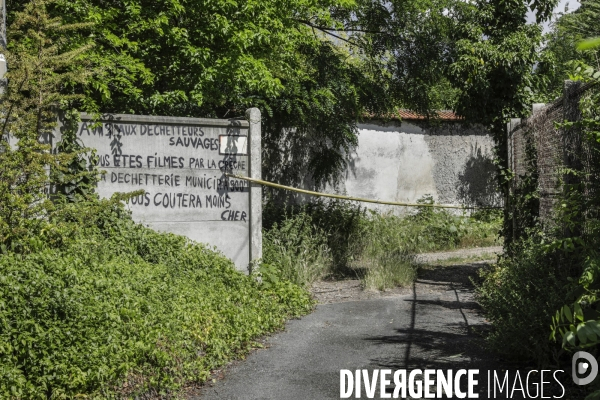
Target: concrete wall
x=181 y=164
x=403 y=162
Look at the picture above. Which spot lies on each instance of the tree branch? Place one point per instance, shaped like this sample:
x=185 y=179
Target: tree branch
x=325 y=29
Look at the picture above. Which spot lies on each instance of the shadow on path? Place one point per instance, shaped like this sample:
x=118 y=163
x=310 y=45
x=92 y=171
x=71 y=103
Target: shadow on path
x=436 y=325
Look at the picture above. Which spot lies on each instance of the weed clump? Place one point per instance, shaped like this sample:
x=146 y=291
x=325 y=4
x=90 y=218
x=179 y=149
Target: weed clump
x=296 y=250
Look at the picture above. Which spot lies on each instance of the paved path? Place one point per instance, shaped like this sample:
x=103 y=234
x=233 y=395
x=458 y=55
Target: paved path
x=434 y=325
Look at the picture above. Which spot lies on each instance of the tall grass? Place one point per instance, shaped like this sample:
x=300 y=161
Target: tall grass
x=298 y=249
x=338 y=239
x=380 y=256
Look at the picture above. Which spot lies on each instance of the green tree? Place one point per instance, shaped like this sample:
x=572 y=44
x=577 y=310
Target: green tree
x=215 y=58
x=562 y=56
x=479 y=55
x=315 y=66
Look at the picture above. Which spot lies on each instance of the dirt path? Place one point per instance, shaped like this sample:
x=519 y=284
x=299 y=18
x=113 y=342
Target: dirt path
x=488 y=253
x=327 y=292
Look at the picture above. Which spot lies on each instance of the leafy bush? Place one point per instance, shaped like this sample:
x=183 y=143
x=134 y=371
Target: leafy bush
x=577 y=324
x=43 y=64
x=548 y=289
x=91 y=304
x=434 y=229
x=111 y=308
x=338 y=220
x=520 y=295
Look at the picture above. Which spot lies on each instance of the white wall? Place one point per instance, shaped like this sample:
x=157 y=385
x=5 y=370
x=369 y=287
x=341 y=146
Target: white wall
x=404 y=162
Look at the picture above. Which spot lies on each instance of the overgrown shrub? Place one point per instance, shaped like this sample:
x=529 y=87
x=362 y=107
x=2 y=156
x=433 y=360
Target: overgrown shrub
x=44 y=67
x=297 y=249
x=576 y=325
x=91 y=304
x=338 y=220
x=546 y=285
x=343 y=222
x=435 y=229
x=110 y=308
x=520 y=295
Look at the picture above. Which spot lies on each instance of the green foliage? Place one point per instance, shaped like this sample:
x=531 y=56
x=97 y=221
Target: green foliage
x=340 y=239
x=577 y=323
x=588 y=44
x=43 y=66
x=339 y=220
x=484 y=51
x=314 y=68
x=78 y=176
x=524 y=199
x=380 y=254
x=434 y=229
x=310 y=127
x=217 y=58
x=563 y=54
x=191 y=58
x=548 y=279
x=92 y=304
x=410 y=41
x=114 y=309
x=342 y=222
x=519 y=295
x=297 y=250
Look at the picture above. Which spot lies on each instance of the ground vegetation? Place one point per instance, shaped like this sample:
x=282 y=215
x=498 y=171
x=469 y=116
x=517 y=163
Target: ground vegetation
x=340 y=240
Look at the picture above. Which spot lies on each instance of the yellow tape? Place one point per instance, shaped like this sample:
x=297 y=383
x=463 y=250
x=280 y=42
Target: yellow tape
x=337 y=196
